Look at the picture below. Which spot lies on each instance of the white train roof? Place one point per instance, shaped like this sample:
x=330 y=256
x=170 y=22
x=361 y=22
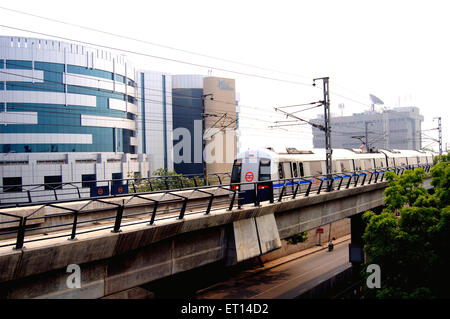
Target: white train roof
x=318 y=154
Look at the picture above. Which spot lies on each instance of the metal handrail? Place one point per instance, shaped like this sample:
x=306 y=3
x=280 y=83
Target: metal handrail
x=21 y=230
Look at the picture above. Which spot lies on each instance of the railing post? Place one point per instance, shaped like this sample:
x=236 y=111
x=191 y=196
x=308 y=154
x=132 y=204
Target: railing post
x=349 y=181
x=296 y=190
x=364 y=179
x=330 y=187
x=340 y=183
x=370 y=178
x=357 y=178
x=150 y=183
x=308 y=189
x=74 y=226
x=165 y=181
x=183 y=209
x=255 y=188
x=29 y=196
x=155 y=207
x=232 y=201
x=118 y=219
x=181 y=182
x=320 y=186
x=271 y=200
x=282 y=192
x=21 y=233
x=208 y=209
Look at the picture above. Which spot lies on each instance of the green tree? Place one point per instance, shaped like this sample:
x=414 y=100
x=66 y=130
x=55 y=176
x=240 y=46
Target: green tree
x=412 y=249
x=162 y=179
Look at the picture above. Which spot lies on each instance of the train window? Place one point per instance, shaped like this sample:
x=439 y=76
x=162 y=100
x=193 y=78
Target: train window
x=264 y=170
x=236 y=172
x=391 y=162
x=302 y=172
x=367 y=163
x=401 y=161
x=334 y=166
x=315 y=167
x=295 y=169
x=346 y=166
x=378 y=163
x=280 y=171
x=357 y=164
x=412 y=161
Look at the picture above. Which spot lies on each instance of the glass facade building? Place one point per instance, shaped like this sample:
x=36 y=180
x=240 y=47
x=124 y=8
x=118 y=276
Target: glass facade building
x=65 y=98
x=68 y=113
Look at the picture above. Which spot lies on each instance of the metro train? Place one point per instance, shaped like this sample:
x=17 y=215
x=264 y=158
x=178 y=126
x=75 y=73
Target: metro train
x=259 y=165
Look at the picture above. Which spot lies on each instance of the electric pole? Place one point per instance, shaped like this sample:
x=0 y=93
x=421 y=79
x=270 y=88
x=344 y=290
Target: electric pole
x=367 y=136
x=203 y=133
x=440 y=134
x=328 y=150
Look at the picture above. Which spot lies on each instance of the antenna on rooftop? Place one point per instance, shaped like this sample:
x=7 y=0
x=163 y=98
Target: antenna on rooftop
x=341 y=107
x=374 y=101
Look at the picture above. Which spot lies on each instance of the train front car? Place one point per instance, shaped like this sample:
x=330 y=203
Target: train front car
x=253 y=170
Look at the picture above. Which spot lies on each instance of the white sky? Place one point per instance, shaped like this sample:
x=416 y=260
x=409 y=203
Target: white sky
x=396 y=50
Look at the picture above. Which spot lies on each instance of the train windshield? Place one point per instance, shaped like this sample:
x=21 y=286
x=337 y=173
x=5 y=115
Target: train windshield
x=264 y=170
x=236 y=172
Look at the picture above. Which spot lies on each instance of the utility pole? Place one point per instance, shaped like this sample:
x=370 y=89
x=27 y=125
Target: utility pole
x=203 y=133
x=328 y=150
x=367 y=136
x=440 y=134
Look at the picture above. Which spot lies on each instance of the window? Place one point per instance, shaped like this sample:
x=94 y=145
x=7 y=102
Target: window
x=315 y=168
x=236 y=172
x=302 y=172
x=264 y=170
x=18 y=64
x=117 y=179
x=295 y=169
x=14 y=182
x=53 y=182
x=357 y=164
x=88 y=180
x=368 y=163
x=280 y=171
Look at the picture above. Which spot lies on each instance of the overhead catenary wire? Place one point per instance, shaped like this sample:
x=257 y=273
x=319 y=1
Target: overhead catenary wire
x=151 y=43
x=180 y=61
x=156 y=57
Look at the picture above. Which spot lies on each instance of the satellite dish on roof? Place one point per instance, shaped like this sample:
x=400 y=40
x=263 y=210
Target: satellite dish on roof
x=375 y=100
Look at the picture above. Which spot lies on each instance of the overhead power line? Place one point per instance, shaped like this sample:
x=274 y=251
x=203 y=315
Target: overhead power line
x=156 y=57
x=180 y=61
x=151 y=43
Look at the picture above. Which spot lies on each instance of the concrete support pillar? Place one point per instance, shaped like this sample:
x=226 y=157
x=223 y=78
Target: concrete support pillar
x=356 y=254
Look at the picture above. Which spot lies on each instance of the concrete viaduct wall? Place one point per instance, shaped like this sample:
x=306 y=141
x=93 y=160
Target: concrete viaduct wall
x=114 y=262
